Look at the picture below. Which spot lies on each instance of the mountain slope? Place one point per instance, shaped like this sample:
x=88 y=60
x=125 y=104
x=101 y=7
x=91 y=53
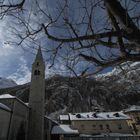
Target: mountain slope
x=114 y=91
x=5 y=83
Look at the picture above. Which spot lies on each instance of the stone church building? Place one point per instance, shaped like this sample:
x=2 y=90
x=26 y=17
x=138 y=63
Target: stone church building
x=21 y=121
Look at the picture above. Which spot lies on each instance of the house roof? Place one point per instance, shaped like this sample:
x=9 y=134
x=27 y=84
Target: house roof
x=4 y=96
x=52 y=120
x=106 y=134
x=2 y=106
x=63 y=129
x=133 y=108
x=99 y=116
x=64 y=117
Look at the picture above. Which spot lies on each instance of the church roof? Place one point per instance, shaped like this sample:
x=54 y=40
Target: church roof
x=5 y=96
x=2 y=106
x=8 y=97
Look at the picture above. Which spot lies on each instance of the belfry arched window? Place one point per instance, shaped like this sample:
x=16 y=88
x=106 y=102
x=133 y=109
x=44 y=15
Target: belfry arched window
x=36 y=72
x=37 y=64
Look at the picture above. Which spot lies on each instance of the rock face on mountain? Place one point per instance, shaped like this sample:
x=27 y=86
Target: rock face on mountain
x=115 y=90
x=5 y=83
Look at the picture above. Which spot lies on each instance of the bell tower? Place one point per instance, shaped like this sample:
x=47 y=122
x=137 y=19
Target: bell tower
x=36 y=99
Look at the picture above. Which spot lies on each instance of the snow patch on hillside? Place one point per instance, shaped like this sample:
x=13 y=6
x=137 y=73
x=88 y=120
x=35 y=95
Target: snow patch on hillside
x=5 y=83
x=126 y=70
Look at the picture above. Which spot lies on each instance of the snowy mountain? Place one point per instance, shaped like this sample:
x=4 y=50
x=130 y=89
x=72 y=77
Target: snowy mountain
x=5 y=83
x=113 y=91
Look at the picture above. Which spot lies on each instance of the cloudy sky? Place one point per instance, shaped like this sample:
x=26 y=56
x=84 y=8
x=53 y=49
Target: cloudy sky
x=16 y=61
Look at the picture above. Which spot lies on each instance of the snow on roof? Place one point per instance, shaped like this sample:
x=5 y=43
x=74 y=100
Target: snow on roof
x=27 y=104
x=3 y=96
x=99 y=116
x=4 y=107
x=64 y=117
x=8 y=96
x=63 y=129
x=106 y=134
x=132 y=108
x=52 y=120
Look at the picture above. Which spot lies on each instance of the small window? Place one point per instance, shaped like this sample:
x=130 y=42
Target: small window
x=138 y=119
x=119 y=126
x=82 y=126
x=36 y=72
x=37 y=64
x=117 y=115
x=94 y=115
x=94 y=126
x=107 y=126
x=78 y=115
x=101 y=127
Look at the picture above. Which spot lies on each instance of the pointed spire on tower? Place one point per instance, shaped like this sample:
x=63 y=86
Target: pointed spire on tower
x=39 y=55
x=37 y=99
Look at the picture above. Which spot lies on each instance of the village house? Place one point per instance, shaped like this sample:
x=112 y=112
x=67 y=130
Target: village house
x=94 y=123
x=134 y=113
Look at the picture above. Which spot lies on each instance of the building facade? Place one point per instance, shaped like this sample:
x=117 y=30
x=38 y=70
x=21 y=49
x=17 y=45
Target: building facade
x=134 y=113
x=5 y=114
x=17 y=117
x=93 y=123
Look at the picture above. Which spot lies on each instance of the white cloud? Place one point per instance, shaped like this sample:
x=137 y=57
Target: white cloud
x=57 y=69
x=14 y=62
x=23 y=74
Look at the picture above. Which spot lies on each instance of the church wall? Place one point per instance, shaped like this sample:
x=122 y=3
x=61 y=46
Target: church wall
x=19 y=118
x=19 y=122
x=4 y=123
x=8 y=102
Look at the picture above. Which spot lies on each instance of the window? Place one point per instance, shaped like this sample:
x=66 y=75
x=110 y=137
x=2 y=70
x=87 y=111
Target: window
x=101 y=127
x=107 y=126
x=82 y=126
x=119 y=126
x=78 y=115
x=138 y=120
x=116 y=115
x=37 y=64
x=36 y=72
x=93 y=126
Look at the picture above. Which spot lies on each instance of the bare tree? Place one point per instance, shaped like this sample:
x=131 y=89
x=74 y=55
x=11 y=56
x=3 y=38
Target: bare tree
x=10 y=7
x=94 y=33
